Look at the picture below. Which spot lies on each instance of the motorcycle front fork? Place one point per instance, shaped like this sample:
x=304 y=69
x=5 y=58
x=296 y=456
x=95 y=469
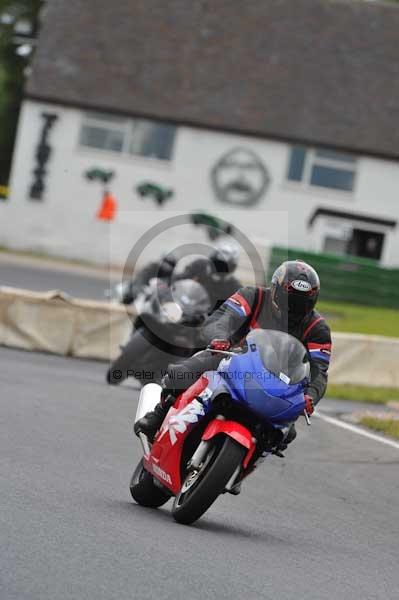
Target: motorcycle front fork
x=145 y=444
x=198 y=458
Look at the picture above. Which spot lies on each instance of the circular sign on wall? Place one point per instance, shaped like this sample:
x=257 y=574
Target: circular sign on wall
x=239 y=178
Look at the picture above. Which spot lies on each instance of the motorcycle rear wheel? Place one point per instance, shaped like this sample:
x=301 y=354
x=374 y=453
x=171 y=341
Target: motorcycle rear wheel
x=190 y=504
x=143 y=489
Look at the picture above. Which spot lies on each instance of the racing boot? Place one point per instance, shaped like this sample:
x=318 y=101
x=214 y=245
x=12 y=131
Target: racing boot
x=152 y=421
x=290 y=437
x=236 y=489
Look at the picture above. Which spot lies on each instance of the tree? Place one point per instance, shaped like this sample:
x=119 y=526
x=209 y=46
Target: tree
x=19 y=21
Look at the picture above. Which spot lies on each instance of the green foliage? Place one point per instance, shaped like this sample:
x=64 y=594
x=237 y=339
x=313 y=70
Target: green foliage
x=12 y=77
x=3 y=79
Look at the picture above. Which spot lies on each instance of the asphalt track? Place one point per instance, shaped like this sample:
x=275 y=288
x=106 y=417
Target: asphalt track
x=40 y=276
x=321 y=524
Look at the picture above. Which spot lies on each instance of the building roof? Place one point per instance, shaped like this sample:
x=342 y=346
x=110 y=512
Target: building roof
x=322 y=72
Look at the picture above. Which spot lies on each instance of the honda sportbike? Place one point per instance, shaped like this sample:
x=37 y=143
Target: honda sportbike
x=223 y=426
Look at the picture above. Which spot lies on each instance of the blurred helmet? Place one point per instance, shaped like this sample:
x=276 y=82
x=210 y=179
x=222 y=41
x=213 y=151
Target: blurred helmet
x=198 y=268
x=225 y=258
x=295 y=289
x=167 y=264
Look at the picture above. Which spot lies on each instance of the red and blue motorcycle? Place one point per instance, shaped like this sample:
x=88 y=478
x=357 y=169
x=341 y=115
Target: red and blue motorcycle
x=222 y=426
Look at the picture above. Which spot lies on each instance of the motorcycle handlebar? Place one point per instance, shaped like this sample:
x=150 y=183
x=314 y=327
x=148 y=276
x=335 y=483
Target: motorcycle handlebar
x=239 y=351
x=224 y=352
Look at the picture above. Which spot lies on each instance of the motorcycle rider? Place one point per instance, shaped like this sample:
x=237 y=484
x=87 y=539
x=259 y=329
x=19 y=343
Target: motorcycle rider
x=287 y=305
x=214 y=273
x=225 y=261
x=162 y=269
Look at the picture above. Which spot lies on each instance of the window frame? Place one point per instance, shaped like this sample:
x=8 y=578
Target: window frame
x=126 y=126
x=312 y=160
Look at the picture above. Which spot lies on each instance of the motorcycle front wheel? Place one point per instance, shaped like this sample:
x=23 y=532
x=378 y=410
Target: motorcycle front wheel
x=200 y=489
x=143 y=489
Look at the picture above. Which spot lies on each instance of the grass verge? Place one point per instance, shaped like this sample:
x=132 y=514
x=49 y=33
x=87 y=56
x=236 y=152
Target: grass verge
x=388 y=426
x=361 y=393
x=353 y=318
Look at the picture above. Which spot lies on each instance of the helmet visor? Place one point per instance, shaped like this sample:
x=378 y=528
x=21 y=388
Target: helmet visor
x=297 y=305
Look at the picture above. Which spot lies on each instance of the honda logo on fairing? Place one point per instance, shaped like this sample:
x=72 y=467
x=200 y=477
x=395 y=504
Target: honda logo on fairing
x=162 y=474
x=301 y=286
x=178 y=422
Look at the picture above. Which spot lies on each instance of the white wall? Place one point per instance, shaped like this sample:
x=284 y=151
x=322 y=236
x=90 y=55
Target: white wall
x=64 y=222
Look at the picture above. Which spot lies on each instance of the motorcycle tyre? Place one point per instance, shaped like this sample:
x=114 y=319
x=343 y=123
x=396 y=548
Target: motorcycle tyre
x=143 y=489
x=211 y=483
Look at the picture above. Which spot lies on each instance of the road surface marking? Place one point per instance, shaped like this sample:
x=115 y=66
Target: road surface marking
x=358 y=430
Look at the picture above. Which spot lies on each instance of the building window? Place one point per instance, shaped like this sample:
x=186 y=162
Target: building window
x=322 y=168
x=128 y=136
x=152 y=139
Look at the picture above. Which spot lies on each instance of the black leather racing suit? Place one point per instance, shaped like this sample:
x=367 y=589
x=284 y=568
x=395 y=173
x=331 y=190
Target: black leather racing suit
x=219 y=288
x=247 y=309
x=143 y=277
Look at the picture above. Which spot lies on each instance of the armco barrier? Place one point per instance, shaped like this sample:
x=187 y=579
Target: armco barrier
x=53 y=322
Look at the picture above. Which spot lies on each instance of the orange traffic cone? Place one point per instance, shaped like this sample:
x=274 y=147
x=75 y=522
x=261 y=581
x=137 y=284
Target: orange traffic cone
x=108 y=207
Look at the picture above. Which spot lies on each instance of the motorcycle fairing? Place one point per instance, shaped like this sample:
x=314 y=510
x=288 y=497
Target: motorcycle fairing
x=272 y=398
x=263 y=393
x=236 y=431
x=166 y=452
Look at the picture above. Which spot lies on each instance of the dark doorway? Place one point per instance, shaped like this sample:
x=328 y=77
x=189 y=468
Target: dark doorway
x=367 y=244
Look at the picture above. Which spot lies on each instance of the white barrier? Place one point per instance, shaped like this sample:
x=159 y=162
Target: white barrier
x=54 y=322
x=365 y=360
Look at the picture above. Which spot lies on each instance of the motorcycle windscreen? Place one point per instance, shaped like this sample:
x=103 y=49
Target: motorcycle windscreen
x=281 y=353
x=192 y=298
x=270 y=376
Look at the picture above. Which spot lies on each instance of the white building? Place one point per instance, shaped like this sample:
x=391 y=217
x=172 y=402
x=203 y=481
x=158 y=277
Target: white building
x=278 y=119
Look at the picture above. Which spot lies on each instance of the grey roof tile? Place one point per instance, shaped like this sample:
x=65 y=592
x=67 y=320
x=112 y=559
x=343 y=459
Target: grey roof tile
x=318 y=71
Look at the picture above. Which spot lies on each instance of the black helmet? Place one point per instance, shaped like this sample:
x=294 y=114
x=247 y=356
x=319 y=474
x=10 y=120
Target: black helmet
x=167 y=264
x=295 y=288
x=194 y=267
x=225 y=258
